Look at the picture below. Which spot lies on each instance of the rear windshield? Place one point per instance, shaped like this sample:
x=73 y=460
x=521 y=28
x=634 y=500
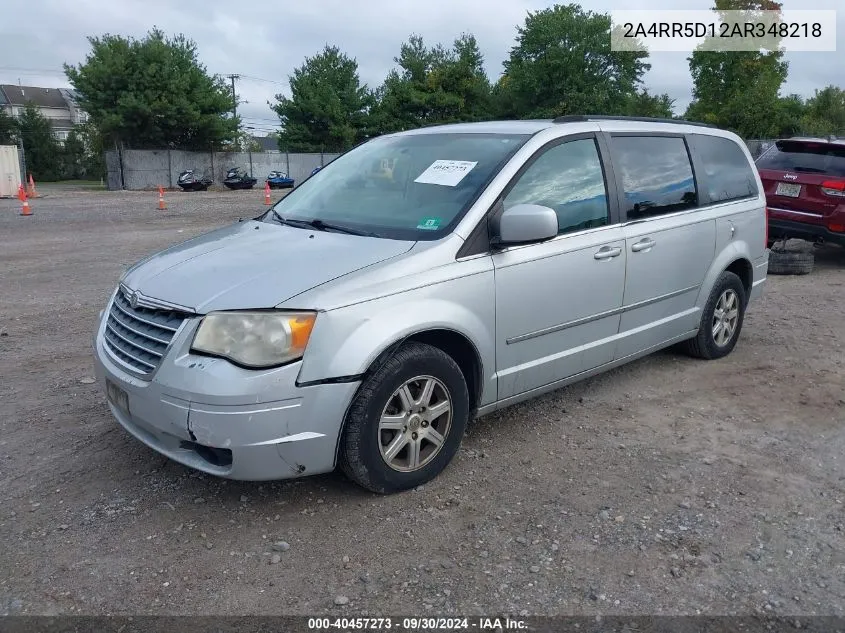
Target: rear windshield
x=805 y=157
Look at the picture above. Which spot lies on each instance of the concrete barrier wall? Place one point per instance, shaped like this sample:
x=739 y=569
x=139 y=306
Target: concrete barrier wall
x=148 y=169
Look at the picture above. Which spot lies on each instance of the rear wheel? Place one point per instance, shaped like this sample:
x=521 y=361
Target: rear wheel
x=721 y=319
x=407 y=420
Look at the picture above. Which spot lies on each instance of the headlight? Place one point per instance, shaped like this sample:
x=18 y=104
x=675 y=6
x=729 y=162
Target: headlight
x=255 y=339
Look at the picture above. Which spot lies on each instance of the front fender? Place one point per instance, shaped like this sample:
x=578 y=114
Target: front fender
x=346 y=341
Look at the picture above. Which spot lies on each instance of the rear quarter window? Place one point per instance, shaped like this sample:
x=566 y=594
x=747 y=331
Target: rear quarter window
x=726 y=172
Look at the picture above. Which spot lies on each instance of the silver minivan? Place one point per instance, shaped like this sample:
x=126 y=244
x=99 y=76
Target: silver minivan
x=428 y=277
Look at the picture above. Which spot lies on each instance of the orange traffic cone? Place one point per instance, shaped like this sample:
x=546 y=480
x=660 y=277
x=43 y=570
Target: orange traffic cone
x=25 y=210
x=267 y=194
x=161 y=205
x=31 y=189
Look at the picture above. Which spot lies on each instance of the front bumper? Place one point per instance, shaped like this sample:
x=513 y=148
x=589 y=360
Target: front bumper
x=236 y=423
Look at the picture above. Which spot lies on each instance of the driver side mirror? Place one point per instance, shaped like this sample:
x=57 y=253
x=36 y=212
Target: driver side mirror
x=526 y=223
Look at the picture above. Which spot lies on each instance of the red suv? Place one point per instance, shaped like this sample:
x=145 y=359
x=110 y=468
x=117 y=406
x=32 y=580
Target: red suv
x=804 y=182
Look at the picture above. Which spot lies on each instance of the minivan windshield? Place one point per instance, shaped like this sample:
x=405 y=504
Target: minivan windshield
x=408 y=187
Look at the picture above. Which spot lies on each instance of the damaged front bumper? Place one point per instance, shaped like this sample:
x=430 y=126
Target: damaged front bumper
x=228 y=421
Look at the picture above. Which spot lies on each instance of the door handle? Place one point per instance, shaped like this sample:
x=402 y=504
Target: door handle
x=607 y=252
x=643 y=245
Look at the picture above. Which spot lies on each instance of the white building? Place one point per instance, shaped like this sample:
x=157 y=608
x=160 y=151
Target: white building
x=56 y=104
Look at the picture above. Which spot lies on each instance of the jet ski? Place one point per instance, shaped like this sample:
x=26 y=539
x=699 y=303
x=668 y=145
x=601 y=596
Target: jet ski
x=189 y=181
x=279 y=180
x=237 y=178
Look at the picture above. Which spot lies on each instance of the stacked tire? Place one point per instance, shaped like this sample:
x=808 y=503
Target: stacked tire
x=791 y=257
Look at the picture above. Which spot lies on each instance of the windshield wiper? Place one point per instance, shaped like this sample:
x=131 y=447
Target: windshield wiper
x=322 y=225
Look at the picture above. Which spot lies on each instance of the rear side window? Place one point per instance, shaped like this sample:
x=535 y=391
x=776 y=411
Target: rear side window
x=727 y=172
x=806 y=157
x=656 y=175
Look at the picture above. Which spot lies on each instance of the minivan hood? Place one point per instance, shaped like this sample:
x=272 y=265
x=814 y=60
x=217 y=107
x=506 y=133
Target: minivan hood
x=254 y=265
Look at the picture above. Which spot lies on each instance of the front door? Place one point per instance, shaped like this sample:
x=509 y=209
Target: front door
x=558 y=302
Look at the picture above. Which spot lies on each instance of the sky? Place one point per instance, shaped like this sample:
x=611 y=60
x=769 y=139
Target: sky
x=264 y=41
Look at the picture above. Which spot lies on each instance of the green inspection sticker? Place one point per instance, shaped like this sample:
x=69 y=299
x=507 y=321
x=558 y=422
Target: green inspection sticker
x=429 y=224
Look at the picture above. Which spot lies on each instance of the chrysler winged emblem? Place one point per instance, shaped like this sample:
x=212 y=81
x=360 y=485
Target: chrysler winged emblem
x=132 y=297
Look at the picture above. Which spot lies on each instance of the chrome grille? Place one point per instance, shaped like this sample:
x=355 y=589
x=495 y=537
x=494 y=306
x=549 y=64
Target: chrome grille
x=139 y=336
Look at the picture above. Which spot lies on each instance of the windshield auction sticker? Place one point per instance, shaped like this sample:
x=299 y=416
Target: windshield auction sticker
x=446 y=172
x=429 y=224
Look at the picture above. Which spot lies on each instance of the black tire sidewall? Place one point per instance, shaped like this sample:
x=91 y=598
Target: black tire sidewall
x=417 y=360
x=727 y=280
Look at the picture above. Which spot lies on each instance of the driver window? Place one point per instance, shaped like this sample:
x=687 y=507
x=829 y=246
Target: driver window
x=569 y=179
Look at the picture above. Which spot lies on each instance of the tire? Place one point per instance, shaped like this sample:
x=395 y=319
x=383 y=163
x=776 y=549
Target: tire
x=363 y=442
x=791 y=262
x=705 y=344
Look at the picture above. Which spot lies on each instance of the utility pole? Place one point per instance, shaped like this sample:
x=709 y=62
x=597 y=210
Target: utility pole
x=235 y=103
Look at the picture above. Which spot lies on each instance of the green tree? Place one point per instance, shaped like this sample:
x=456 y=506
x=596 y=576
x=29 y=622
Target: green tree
x=153 y=93
x=643 y=103
x=434 y=85
x=328 y=109
x=562 y=63
x=739 y=90
x=8 y=129
x=825 y=112
x=790 y=114
x=43 y=152
x=74 y=155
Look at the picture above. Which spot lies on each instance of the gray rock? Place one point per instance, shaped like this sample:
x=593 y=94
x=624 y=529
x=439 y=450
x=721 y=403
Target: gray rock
x=521 y=539
x=341 y=600
x=604 y=515
x=275 y=559
x=199 y=500
x=244 y=498
x=87 y=381
x=208 y=545
x=447 y=564
x=685 y=505
x=280 y=546
x=534 y=569
x=676 y=572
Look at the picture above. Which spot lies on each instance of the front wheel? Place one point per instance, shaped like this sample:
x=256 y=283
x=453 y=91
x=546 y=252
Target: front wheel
x=721 y=319
x=407 y=420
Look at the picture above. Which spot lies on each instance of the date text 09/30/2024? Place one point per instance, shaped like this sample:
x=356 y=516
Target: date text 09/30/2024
x=416 y=624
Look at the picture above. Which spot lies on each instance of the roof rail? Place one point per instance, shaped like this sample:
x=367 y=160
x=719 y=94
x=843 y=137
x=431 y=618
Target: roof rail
x=575 y=118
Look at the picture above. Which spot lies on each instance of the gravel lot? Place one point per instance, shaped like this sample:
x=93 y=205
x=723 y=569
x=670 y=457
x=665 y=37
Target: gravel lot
x=669 y=486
